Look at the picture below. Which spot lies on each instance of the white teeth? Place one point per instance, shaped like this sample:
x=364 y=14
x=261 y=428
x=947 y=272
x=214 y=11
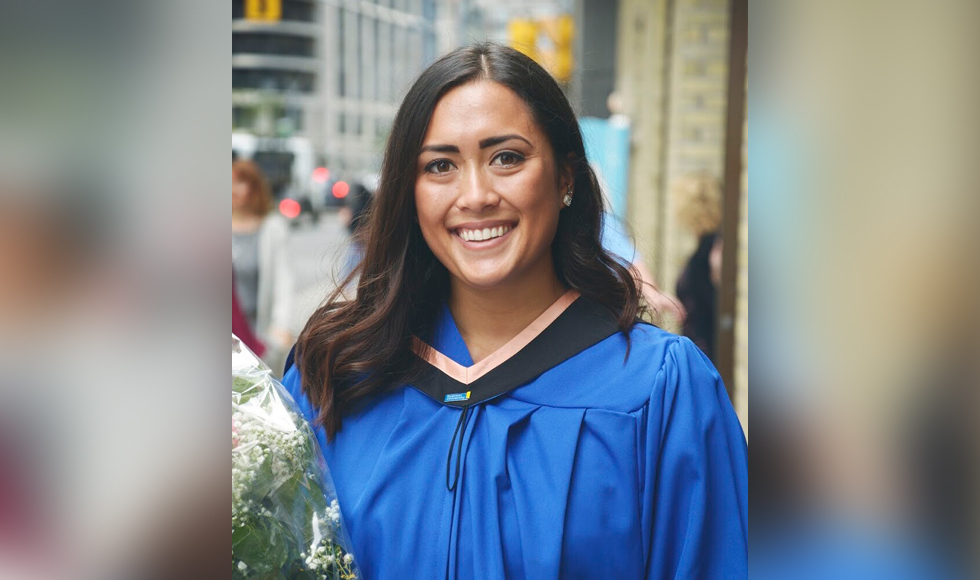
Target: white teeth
x=484 y=234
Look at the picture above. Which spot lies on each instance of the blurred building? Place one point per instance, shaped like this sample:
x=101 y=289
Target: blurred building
x=276 y=64
x=371 y=53
x=331 y=71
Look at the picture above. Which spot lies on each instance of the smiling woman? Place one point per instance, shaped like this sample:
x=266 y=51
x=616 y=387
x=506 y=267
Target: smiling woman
x=494 y=341
x=488 y=198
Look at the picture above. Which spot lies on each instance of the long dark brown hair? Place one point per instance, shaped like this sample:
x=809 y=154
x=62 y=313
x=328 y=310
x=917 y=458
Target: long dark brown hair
x=354 y=348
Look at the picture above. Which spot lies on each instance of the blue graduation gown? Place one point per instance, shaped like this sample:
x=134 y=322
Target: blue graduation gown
x=593 y=468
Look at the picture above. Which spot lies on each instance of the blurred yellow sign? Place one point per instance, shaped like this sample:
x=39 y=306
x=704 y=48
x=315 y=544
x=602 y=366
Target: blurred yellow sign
x=548 y=41
x=263 y=10
x=524 y=36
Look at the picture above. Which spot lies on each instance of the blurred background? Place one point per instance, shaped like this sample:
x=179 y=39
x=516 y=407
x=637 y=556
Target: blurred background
x=862 y=121
x=315 y=88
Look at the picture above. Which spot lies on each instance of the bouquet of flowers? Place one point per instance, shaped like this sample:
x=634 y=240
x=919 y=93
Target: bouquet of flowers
x=285 y=520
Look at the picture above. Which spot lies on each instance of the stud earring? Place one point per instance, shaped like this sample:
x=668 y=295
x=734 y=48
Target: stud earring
x=567 y=200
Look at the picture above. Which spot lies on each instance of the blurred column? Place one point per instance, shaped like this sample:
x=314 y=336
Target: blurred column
x=672 y=80
x=733 y=303
x=672 y=76
x=641 y=80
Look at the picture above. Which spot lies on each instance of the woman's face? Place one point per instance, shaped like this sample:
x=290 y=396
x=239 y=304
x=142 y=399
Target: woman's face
x=239 y=194
x=487 y=188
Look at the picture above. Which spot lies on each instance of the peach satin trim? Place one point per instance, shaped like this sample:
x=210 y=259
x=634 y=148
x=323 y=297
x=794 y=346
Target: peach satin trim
x=467 y=375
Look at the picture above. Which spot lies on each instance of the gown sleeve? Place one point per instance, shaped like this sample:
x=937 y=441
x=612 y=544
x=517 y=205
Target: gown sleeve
x=695 y=492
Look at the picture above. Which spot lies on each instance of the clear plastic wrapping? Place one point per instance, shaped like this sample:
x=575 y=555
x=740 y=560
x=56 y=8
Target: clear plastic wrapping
x=285 y=520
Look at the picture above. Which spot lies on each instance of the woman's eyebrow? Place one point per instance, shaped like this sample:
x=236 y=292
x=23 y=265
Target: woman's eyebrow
x=440 y=148
x=484 y=143
x=491 y=141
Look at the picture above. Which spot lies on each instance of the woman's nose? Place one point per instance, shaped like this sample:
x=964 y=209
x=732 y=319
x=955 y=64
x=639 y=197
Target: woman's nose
x=476 y=191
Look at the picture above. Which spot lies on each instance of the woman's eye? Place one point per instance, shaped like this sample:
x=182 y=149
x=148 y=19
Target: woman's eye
x=439 y=166
x=507 y=158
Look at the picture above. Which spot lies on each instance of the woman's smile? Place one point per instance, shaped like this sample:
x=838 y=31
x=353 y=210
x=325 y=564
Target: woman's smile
x=483 y=235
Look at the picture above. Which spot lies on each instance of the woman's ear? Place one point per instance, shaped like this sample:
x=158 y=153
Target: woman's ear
x=566 y=174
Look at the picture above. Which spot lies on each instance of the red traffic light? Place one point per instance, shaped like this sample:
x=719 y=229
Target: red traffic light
x=289 y=208
x=321 y=175
x=341 y=189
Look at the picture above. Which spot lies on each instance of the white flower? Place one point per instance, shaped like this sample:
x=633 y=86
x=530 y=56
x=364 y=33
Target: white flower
x=242 y=566
x=348 y=558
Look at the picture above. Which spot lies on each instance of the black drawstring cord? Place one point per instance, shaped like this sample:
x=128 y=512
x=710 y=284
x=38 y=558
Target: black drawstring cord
x=459 y=457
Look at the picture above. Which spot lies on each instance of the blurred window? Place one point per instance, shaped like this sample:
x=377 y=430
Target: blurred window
x=272 y=79
x=341 y=73
x=295 y=116
x=298 y=10
x=271 y=43
x=359 y=57
x=397 y=60
x=384 y=61
x=243 y=117
x=376 y=58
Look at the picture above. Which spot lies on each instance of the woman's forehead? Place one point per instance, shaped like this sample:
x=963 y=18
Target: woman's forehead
x=478 y=110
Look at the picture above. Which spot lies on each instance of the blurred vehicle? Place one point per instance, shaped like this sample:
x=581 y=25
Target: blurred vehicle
x=331 y=193
x=288 y=164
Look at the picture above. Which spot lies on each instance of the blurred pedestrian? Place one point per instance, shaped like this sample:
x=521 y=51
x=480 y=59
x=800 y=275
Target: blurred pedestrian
x=240 y=326
x=698 y=199
x=354 y=217
x=263 y=279
x=488 y=403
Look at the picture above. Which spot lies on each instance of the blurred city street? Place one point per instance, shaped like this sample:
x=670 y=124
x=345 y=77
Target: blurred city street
x=317 y=255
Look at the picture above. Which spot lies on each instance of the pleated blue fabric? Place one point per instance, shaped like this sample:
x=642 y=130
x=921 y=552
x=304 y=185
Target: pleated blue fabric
x=599 y=467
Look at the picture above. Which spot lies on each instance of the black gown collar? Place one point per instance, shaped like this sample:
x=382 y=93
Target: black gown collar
x=580 y=325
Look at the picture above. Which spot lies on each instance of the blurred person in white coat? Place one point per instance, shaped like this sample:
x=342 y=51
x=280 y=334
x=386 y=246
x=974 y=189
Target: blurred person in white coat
x=263 y=279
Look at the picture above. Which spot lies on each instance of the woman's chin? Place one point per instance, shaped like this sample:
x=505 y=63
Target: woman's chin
x=485 y=280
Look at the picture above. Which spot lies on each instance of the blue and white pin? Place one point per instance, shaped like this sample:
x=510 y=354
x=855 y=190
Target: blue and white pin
x=457 y=397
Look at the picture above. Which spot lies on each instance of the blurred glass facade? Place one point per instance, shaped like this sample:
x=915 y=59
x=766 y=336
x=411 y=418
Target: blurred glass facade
x=331 y=72
x=275 y=65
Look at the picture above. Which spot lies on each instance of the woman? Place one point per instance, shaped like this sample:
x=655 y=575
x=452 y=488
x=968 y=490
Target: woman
x=263 y=281
x=488 y=403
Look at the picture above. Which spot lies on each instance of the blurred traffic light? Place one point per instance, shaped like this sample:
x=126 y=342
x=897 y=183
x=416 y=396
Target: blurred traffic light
x=263 y=10
x=562 y=31
x=548 y=41
x=523 y=35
